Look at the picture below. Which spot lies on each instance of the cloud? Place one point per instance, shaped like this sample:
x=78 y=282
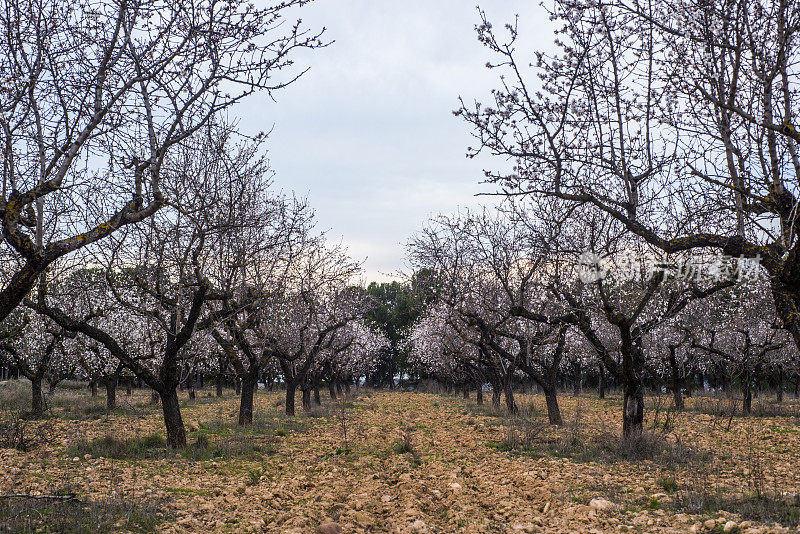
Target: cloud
x=368 y=133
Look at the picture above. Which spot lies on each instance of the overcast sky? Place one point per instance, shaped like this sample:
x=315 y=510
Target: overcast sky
x=368 y=133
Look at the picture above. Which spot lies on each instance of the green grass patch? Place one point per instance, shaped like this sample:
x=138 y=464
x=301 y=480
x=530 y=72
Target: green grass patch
x=154 y=446
x=668 y=484
x=25 y=515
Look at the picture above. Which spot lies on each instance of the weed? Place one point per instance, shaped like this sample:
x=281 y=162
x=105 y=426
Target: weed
x=668 y=484
x=27 y=515
x=405 y=445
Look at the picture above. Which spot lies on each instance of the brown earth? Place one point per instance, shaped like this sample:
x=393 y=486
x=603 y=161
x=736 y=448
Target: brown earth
x=417 y=462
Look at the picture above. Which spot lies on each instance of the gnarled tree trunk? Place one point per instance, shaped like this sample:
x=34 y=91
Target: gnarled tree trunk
x=553 y=411
x=176 y=433
x=508 y=389
x=633 y=410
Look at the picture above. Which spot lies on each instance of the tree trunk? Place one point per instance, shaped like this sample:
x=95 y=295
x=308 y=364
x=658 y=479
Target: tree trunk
x=111 y=393
x=154 y=397
x=677 y=396
x=37 y=399
x=238 y=386
x=249 y=384
x=509 y=391
x=633 y=410
x=332 y=389
x=496 y=389
x=797 y=387
x=176 y=434
x=93 y=388
x=347 y=387
x=465 y=391
x=128 y=390
x=479 y=394
x=553 y=412
x=290 y=392
x=190 y=383
x=306 y=399
x=219 y=385
x=317 y=400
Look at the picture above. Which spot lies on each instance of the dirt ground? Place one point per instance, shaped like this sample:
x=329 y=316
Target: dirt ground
x=413 y=462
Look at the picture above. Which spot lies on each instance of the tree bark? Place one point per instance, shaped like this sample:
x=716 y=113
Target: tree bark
x=249 y=384
x=677 y=382
x=111 y=393
x=290 y=393
x=219 y=385
x=677 y=396
x=553 y=411
x=509 y=391
x=633 y=410
x=479 y=394
x=93 y=388
x=317 y=400
x=37 y=399
x=496 y=390
x=306 y=399
x=176 y=433
x=191 y=382
x=332 y=389
x=465 y=391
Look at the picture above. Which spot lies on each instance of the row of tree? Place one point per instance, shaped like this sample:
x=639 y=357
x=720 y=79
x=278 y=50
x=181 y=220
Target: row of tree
x=659 y=131
x=518 y=300
x=141 y=236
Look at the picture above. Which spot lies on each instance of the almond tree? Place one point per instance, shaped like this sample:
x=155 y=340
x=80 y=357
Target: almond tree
x=31 y=350
x=353 y=355
x=741 y=333
x=255 y=256
x=98 y=94
x=673 y=118
x=453 y=353
x=156 y=273
x=303 y=315
x=489 y=267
